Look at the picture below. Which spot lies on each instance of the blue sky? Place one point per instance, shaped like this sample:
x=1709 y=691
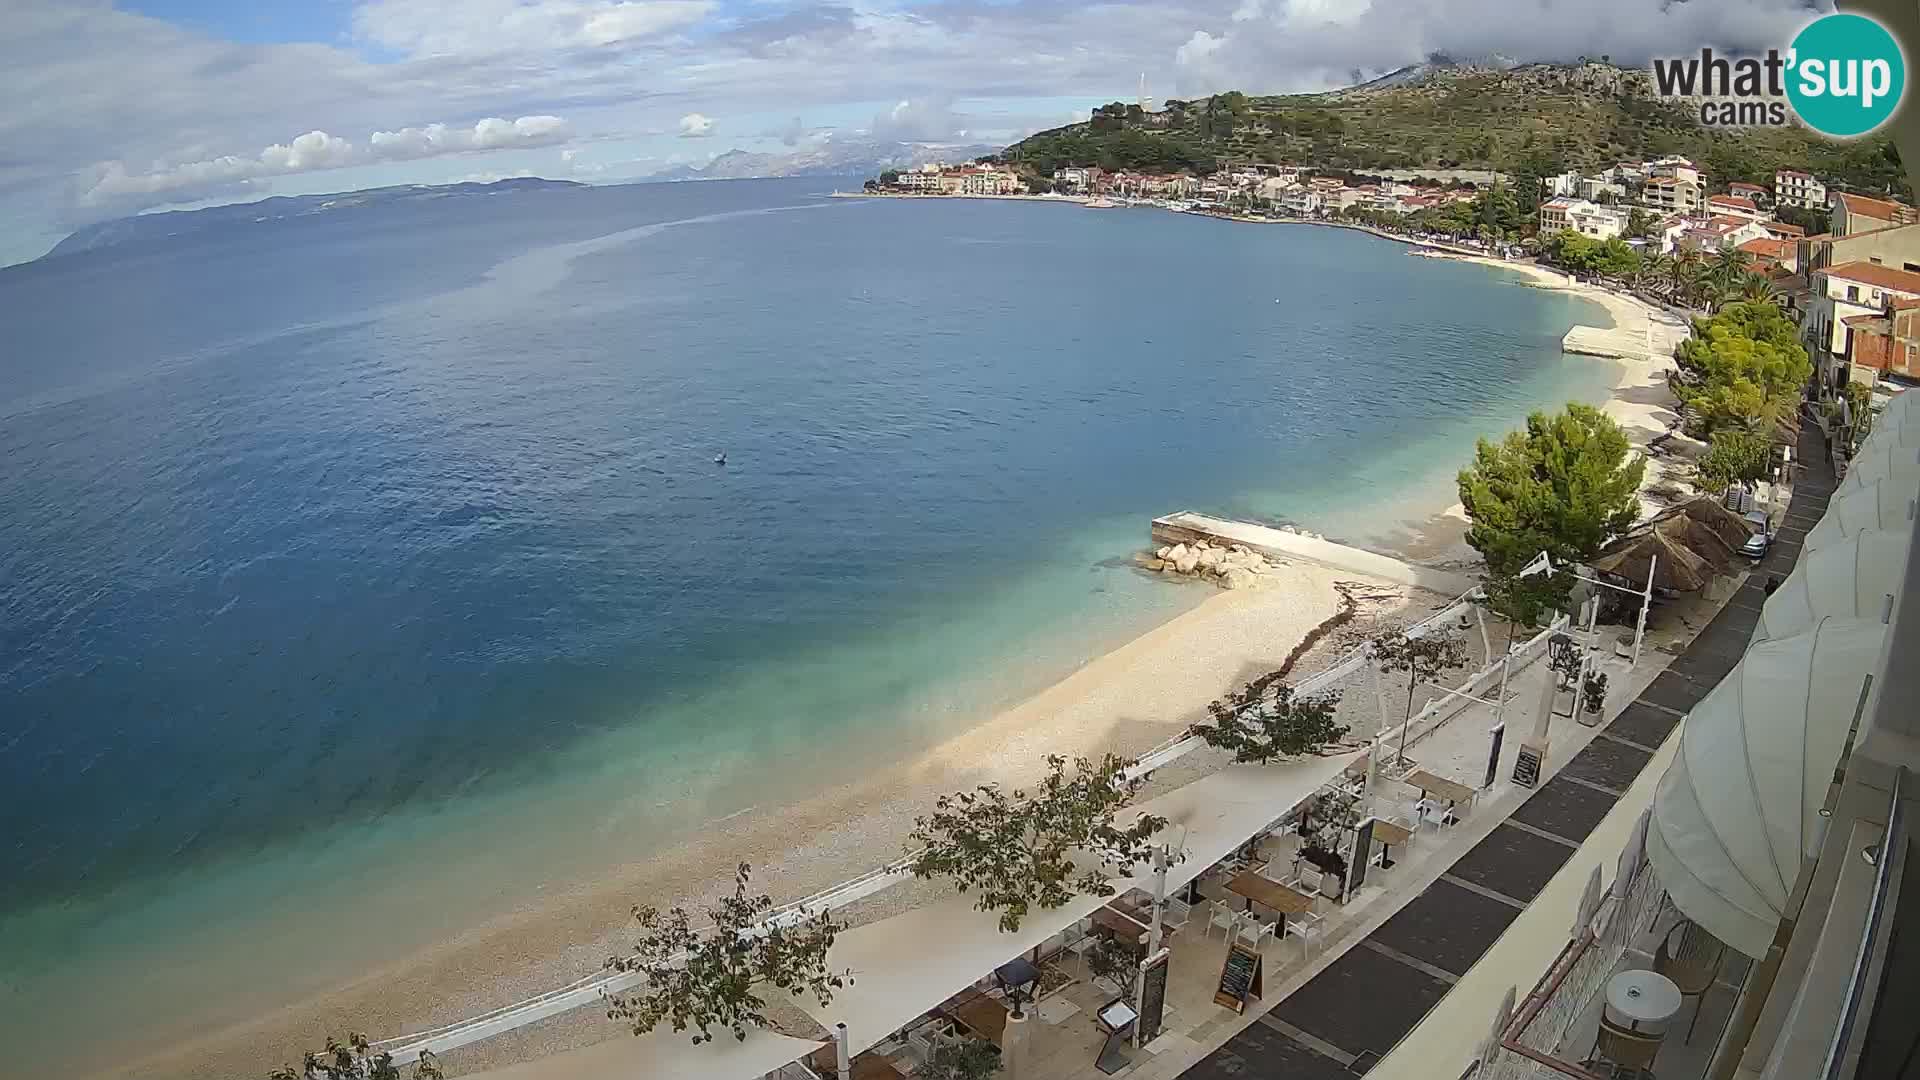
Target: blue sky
x=120 y=108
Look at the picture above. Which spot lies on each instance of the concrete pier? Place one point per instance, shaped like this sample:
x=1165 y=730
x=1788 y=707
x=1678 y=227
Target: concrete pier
x=1186 y=526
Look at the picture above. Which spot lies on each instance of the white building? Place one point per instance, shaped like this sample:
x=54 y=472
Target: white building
x=1734 y=206
x=1843 y=291
x=1302 y=201
x=1674 y=194
x=1583 y=217
x=1567 y=184
x=1794 y=188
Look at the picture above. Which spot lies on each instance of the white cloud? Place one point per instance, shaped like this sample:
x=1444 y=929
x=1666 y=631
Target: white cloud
x=1197 y=48
x=492 y=133
x=919 y=120
x=487 y=27
x=114 y=185
x=695 y=126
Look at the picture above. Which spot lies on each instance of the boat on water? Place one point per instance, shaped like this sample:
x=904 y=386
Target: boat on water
x=1100 y=203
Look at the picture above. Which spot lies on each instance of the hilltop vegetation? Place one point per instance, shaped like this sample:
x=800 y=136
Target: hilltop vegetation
x=1537 y=119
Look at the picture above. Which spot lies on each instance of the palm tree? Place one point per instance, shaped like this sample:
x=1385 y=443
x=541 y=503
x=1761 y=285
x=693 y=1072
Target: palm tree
x=1728 y=268
x=1758 y=286
x=1685 y=272
x=1655 y=269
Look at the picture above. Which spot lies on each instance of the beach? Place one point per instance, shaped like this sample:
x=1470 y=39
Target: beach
x=1124 y=701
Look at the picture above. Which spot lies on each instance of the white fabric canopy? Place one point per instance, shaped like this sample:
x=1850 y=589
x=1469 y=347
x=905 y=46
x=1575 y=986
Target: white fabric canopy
x=664 y=1055
x=910 y=963
x=1884 y=459
x=1850 y=579
x=1872 y=505
x=1739 y=806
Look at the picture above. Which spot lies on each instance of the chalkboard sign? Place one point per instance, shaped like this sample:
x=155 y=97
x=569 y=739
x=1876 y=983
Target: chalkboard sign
x=1526 y=768
x=1239 y=978
x=1152 y=1006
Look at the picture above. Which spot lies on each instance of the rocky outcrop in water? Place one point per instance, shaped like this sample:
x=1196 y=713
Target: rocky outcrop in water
x=1230 y=567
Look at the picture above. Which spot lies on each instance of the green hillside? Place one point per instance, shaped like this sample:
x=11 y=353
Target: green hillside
x=1535 y=119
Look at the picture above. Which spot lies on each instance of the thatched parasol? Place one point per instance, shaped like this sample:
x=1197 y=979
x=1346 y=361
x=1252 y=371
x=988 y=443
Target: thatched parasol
x=1730 y=527
x=1680 y=568
x=1700 y=539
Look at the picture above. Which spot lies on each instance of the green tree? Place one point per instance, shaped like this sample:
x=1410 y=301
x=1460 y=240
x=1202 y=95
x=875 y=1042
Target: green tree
x=961 y=1059
x=1733 y=457
x=1016 y=849
x=1265 y=719
x=354 y=1059
x=1566 y=485
x=1524 y=601
x=889 y=177
x=1640 y=222
x=1421 y=659
x=713 y=978
x=1743 y=368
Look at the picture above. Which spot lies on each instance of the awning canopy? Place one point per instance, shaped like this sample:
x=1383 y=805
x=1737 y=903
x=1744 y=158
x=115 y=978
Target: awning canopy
x=1873 y=505
x=1738 y=808
x=661 y=1054
x=908 y=964
x=1884 y=459
x=1849 y=579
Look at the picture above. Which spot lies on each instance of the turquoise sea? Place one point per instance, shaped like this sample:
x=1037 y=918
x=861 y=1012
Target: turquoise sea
x=364 y=573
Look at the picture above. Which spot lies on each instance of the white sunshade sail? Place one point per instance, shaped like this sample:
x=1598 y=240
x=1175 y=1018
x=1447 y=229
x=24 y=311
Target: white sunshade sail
x=910 y=963
x=1739 y=806
x=1849 y=579
x=664 y=1053
x=1884 y=459
x=1873 y=505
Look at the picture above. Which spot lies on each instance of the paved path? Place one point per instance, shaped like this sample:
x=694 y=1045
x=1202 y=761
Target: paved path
x=1343 y=1021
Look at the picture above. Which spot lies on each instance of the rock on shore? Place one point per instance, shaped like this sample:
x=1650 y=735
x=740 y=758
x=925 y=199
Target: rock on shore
x=1231 y=567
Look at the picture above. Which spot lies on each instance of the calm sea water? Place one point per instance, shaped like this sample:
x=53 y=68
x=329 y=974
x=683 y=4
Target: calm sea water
x=386 y=546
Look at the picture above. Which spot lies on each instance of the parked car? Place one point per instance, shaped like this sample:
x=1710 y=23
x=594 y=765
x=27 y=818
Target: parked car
x=1757 y=544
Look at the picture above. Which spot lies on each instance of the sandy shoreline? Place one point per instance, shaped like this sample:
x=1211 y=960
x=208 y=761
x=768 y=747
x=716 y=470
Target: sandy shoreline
x=1124 y=701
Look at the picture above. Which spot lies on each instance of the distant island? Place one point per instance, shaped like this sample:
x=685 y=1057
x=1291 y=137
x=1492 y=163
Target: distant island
x=174 y=223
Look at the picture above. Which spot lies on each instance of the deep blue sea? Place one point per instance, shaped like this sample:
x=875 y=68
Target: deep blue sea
x=387 y=544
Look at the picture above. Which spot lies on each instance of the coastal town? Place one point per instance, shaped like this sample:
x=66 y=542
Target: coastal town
x=1845 y=266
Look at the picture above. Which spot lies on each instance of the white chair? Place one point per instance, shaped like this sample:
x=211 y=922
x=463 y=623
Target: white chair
x=1177 y=913
x=1223 y=917
x=1252 y=931
x=1307 y=879
x=1309 y=929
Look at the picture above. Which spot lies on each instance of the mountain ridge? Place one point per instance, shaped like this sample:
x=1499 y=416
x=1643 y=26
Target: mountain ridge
x=140 y=228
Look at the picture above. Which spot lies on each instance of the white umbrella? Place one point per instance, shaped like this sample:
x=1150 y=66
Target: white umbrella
x=1872 y=505
x=1850 y=578
x=1738 y=809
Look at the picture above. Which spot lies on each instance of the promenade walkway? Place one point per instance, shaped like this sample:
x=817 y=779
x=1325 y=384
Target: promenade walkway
x=1357 y=1010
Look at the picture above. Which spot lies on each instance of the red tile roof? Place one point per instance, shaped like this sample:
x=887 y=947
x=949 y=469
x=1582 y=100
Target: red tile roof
x=1879 y=209
x=1732 y=200
x=1880 y=277
x=1767 y=248
x=1795 y=173
x=1783 y=228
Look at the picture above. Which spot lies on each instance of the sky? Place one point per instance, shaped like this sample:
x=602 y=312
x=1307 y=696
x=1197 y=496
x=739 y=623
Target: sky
x=120 y=108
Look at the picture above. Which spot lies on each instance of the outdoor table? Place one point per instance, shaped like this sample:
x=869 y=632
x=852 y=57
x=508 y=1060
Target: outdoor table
x=1389 y=834
x=1454 y=792
x=1270 y=894
x=984 y=1016
x=1642 y=997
